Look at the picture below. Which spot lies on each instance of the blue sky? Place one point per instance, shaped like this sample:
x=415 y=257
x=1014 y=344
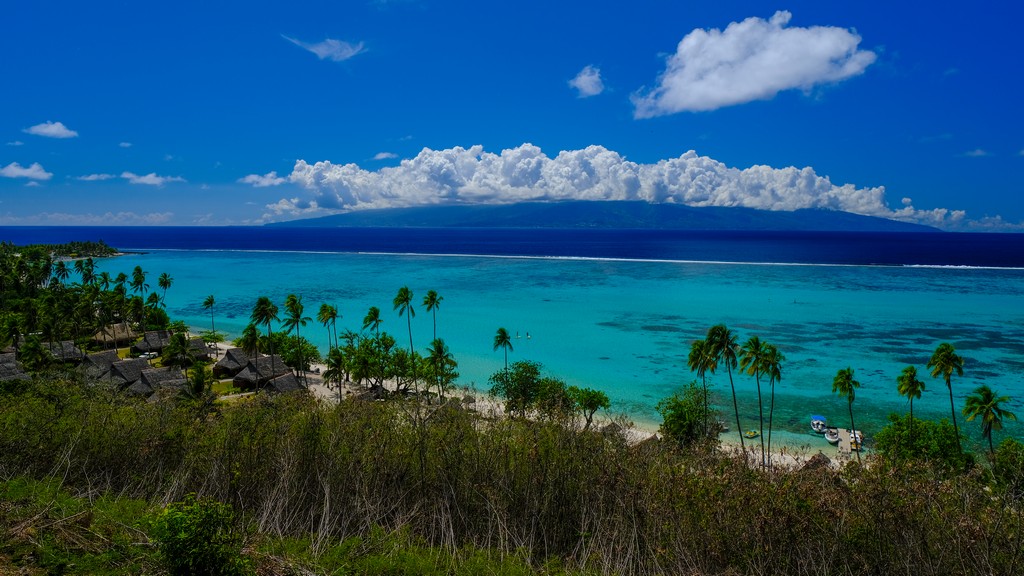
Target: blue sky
x=240 y=113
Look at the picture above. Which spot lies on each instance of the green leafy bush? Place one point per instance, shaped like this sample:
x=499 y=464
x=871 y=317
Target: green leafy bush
x=922 y=441
x=197 y=537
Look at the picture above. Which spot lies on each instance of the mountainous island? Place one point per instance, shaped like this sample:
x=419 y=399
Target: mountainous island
x=606 y=214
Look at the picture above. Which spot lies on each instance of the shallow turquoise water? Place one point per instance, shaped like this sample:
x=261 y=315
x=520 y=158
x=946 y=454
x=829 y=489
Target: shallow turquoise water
x=625 y=326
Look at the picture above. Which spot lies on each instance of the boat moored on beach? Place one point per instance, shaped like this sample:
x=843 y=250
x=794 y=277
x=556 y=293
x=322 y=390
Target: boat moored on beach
x=832 y=434
x=818 y=424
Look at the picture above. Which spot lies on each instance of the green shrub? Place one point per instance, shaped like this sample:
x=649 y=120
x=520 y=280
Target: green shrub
x=684 y=416
x=934 y=443
x=197 y=537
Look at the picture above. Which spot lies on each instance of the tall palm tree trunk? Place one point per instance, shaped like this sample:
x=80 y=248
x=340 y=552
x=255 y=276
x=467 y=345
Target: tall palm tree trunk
x=707 y=425
x=854 y=426
x=911 y=418
x=736 y=409
x=771 y=413
x=760 y=414
x=952 y=410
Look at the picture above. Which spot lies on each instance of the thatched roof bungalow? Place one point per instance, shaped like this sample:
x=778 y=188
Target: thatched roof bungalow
x=115 y=334
x=65 y=351
x=127 y=372
x=152 y=341
x=139 y=388
x=234 y=361
x=284 y=383
x=97 y=365
x=269 y=367
x=163 y=378
x=200 y=351
x=10 y=369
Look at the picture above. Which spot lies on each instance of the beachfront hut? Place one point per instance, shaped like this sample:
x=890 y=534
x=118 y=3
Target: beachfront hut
x=10 y=369
x=269 y=367
x=139 y=388
x=163 y=379
x=126 y=372
x=233 y=362
x=97 y=365
x=200 y=351
x=152 y=341
x=284 y=383
x=114 y=335
x=65 y=351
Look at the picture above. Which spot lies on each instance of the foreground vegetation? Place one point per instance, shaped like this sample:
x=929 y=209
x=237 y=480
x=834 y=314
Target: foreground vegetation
x=303 y=478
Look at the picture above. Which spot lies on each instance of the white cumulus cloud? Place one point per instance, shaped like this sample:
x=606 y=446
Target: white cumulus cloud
x=329 y=49
x=751 y=60
x=51 y=130
x=150 y=179
x=977 y=153
x=472 y=176
x=16 y=143
x=269 y=179
x=125 y=144
x=34 y=171
x=96 y=177
x=588 y=82
x=385 y=156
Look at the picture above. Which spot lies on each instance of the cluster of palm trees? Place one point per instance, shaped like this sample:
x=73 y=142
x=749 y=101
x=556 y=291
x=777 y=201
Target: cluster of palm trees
x=760 y=359
x=369 y=356
x=40 y=303
x=983 y=402
x=755 y=358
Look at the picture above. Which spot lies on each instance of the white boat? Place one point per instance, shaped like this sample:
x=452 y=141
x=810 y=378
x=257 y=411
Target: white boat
x=832 y=435
x=818 y=424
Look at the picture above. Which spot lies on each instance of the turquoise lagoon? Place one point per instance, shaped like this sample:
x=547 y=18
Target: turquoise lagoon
x=625 y=326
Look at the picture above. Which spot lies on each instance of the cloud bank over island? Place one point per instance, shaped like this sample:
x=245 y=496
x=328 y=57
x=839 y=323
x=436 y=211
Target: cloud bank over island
x=473 y=176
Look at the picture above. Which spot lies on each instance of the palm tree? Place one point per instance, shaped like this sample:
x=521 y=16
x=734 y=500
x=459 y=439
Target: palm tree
x=403 y=303
x=945 y=362
x=985 y=403
x=907 y=384
x=432 y=302
x=844 y=385
x=105 y=280
x=751 y=362
x=249 y=342
x=328 y=316
x=61 y=272
x=293 y=321
x=335 y=371
x=372 y=319
x=701 y=362
x=504 y=341
x=265 y=312
x=88 y=272
x=443 y=365
x=773 y=360
x=208 y=305
x=722 y=347
x=139 y=286
x=164 y=282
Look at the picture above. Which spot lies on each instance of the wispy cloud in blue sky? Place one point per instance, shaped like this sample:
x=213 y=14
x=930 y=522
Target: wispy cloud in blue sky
x=330 y=49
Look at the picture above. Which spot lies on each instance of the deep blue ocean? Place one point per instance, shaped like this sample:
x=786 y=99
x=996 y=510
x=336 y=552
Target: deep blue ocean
x=854 y=248
x=618 y=309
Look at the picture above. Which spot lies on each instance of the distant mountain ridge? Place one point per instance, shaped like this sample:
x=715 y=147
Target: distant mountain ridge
x=606 y=214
